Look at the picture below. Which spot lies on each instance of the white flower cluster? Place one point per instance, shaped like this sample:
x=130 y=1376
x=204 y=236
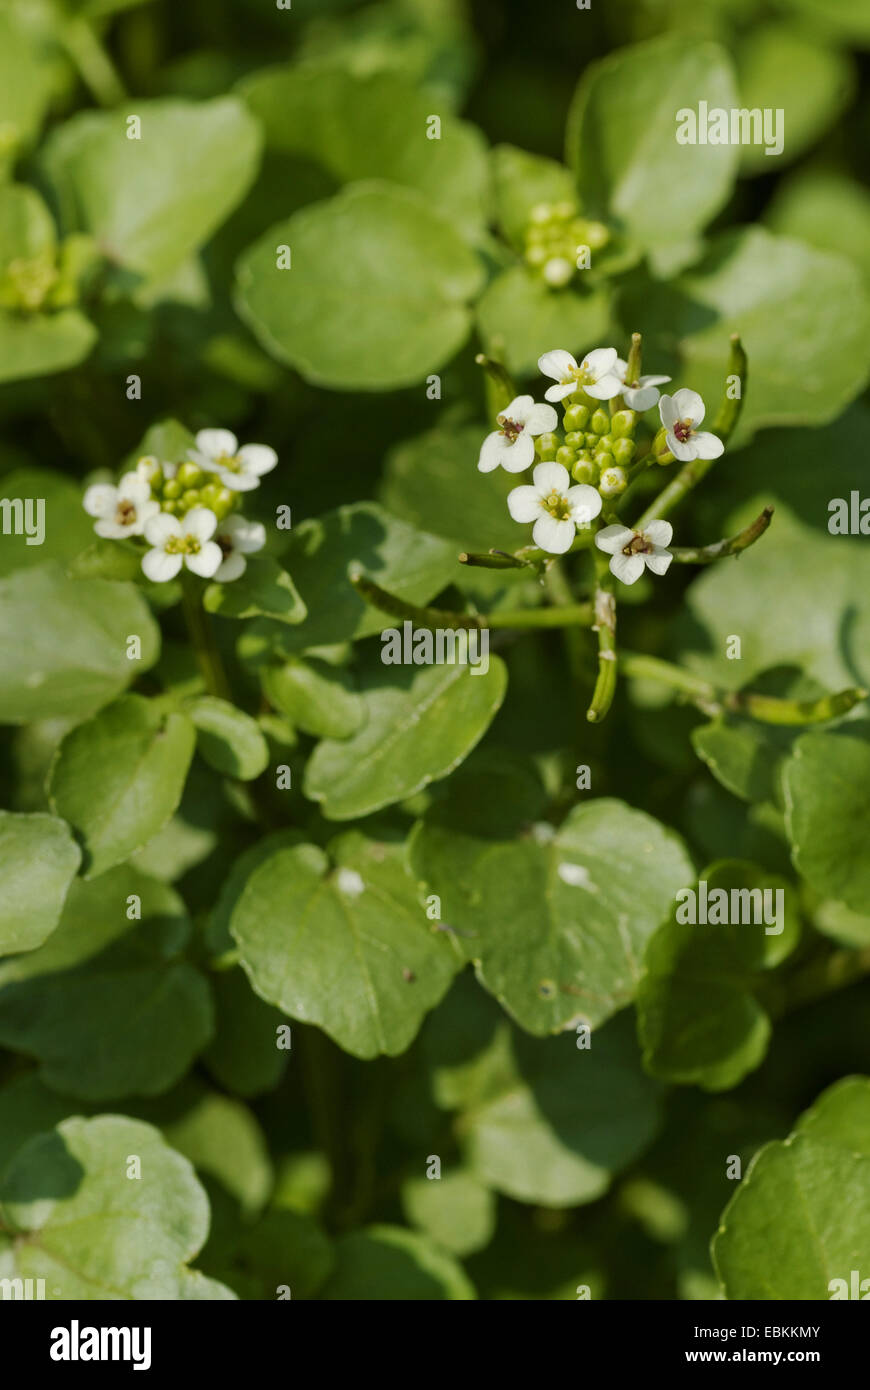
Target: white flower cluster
x=211 y=541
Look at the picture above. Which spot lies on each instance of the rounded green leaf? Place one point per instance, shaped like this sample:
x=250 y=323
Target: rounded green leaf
x=229 y=740
x=315 y=697
x=520 y=318
x=244 y=1056
x=72 y=1215
x=65 y=643
x=118 y=778
x=66 y=527
x=377 y=296
x=827 y=796
x=263 y=591
x=348 y=948
x=622 y=138
x=389 y=1263
x=151 y=200
x=27 y=76
x=454 y=1209
x=827 y=210
x=420 y=722
x=38 y=860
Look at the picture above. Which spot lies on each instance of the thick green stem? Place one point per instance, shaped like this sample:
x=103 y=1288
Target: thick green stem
x=605 y=626
x=734 y=545
x=202 y=637
x=571 y=615
x=93 y=63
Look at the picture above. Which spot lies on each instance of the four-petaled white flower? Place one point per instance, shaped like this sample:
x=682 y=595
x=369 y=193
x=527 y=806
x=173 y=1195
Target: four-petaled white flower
x=122 y=510
x=556 y=508
x=597 y=374
x=181 y=542
x=217 y=451
x=642 y=394
x=680 y=413
x=631 y=550
x=511 y=444
x=237 y=538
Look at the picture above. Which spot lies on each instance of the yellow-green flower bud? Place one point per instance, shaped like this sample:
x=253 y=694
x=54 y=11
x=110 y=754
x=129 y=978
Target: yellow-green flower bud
x=600 y=422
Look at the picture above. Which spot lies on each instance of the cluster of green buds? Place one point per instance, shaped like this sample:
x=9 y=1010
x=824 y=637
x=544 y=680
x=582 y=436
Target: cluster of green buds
x=50 y=279
x=597 y=448
x=554 y=237
x=178 y=488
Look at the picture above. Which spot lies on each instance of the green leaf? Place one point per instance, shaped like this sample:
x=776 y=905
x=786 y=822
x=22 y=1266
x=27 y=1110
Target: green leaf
x=283 y=1250
x=151 y=202
x=228 y=739
x=67 y=528
x=802 y=315
x=699 y=1020
x=101 y=976
x=222 y=1139
x=39 y=344
x=38 y=860
x=316 y=697
x=377 y=295
x=309 y=111
x=118 y=778
x=844 y=20
x=65 y=643
x=827 y=210
x=779 y=67
x=556 y=924
x=420 y=722
x=168 y=441
x=407 y=562
x=265 y=590
x=827 y=797
x=73 y=1217
x=801 y=1216
x=523 y=180
x=244 y=1056
x=455 y=1210
x=622 y=138
x=347 y=948
x=390 y=1263
x=520 y=318
x=26 y=79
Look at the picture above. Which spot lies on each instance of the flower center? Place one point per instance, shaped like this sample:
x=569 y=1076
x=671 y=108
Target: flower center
x=182 y=545
x=230 y=461
x=638 y=545
x=557 y=505
x=683 y=430
x=125 y=512
x=225 y=544
x=511 y=429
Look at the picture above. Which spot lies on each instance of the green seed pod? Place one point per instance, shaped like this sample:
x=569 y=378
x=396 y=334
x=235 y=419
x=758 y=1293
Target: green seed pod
x=172 y=489
x=576 y=417
x=566 y=456
x=600 y=422
x=613 y=482
x=623 y=451
x=585 y=471
x=190 y=474
x=623 y=422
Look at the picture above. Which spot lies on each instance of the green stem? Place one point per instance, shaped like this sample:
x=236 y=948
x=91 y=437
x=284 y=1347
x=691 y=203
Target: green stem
x=526 y=555
x=734 y=545
x=571 y=615
x=500 y=387
x=605 y=626
x=202 y=638
x=93 y=63
x=815 y=981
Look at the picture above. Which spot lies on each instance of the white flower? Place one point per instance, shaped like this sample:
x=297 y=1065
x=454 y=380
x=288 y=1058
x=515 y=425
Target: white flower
x=558 y=270
x=556 y=508
x=631 y=550
x=217 y=451
x=680 y=413
x=597 y=374
x=122 y=510
x=642 y=394
x=237 y=538
x=185 y=542
x=511 y=444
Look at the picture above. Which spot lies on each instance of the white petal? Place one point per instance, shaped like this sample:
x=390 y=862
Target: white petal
x=207 y=561
x=585 y=503
x=100 y=499
x=652 y=380
x=111 y=531
x=600 y=361
x=147 y=467
x=200 y=522
x=620 y=368
x=524 y=503
x=613 y=539
x=553 y=536
x=258 y=458
x=548 y=476
x=134 y=489
x=689 y=405
x=491 y=451
x=659 y=561
x=146 y=511
x=159 y=528
x=213 y=443
x=159 y=567
x=517 y=456
x=245 y=536
x=239 y=482
x=233 y=567
x=640 y=398
x=659 y=532
x=668 y=412
x=627 y=568
x=605 y=388
x=557 y=364
x=204 y=461
x=519 y=409
x=559 y=393
x=541 y=419
x=709 y=446
x=682 y=449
